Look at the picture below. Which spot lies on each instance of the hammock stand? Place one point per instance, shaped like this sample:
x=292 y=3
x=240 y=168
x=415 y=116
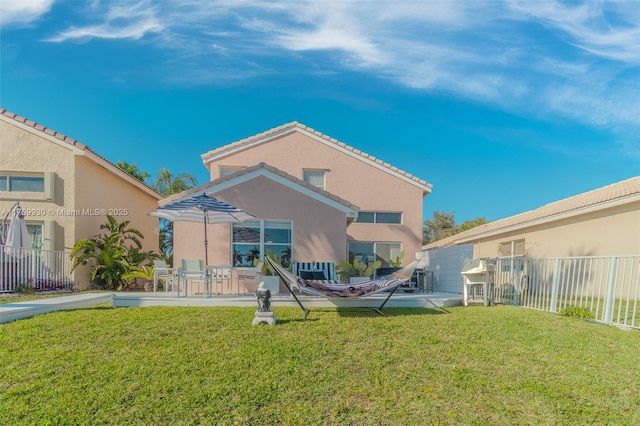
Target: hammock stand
x=318 y=288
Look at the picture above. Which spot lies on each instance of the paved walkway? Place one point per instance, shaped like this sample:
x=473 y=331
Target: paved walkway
x=18 y=310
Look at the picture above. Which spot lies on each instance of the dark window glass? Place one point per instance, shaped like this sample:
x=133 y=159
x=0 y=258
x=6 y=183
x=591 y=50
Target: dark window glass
x=365 y=217
x=26 y=184
x=388 y=218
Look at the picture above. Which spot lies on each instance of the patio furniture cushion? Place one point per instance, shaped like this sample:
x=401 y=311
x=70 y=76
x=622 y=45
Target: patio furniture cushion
x=319 y=271
x=317 y=275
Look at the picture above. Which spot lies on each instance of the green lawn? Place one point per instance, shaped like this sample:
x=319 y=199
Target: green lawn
x=170 y=366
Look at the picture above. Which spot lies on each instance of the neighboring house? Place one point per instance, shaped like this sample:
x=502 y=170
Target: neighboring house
x=66 y=189
x=315 y=199
x=602 y=222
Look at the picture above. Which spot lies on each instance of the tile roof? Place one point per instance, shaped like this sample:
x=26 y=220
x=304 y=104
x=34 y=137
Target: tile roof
x=293 y=126
x=624 y=191
x=260 y=166
x=63 y=138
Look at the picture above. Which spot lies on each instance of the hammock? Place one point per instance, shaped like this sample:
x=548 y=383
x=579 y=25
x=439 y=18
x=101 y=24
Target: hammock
x=389 y=282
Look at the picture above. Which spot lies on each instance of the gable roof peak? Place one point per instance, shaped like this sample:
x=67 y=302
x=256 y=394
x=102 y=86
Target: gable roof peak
x=84 y=149
x=293 y=126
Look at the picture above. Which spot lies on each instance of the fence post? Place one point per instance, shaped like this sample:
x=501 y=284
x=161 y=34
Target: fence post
x=516 y=265
x=610 y=295
x=555 y=284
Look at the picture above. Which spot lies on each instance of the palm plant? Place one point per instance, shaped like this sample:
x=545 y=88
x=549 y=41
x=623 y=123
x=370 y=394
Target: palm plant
x=357 y=268
x=168 y=184
x=111 y=254
x=133 y=170
x=143 y=272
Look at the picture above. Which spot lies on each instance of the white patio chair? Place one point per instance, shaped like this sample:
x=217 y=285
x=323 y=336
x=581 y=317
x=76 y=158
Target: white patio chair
x=218 y=275
x=191 y=270
x=249 y=274
x=162 y=272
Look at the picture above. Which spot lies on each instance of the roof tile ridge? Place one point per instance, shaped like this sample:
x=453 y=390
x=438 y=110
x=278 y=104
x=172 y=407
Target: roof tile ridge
x=62 y=137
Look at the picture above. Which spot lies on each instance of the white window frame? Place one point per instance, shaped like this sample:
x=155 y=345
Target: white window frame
x=375 y=217
x=313 y=176
x=229 y=170
x=262 y=244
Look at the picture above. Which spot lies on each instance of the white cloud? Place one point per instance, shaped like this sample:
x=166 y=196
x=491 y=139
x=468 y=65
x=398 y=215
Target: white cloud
x=607 y=29
x=578 y=60
x=121 y=21
x=21 y=12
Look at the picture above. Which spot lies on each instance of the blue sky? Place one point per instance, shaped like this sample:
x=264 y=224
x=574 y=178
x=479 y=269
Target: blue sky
x=502 y=106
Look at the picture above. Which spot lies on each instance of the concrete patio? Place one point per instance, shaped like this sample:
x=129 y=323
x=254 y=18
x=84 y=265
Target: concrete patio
x=398 y=300
x=25 y=309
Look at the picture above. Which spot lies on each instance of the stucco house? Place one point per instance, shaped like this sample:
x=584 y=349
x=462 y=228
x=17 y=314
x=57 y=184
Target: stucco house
x=65 y=188
x=602 y=222
x=314 y=198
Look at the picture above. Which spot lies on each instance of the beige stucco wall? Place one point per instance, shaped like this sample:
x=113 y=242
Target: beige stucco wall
x=24 y=151
x=80 y=184
x=319 y=231
x=368 y=187
x=100 y=190
x=610 y=232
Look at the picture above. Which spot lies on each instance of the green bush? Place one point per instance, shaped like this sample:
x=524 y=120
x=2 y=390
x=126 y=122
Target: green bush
x=578 y=312
x=24 y=289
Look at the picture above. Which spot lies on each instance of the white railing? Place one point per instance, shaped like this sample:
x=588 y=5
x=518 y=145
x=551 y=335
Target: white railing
x=38 y=269
x=607 y=286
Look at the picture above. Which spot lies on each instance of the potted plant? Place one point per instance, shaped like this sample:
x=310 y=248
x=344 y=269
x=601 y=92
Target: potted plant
x=394 y=265
x=358 y=270
x=269 y=277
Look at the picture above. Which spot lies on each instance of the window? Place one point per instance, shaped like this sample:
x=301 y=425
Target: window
x=11 y=183
x=253 y=239
x=226 y=171
x=379 y=217
x=314 y=177
x=511 y=248
x=382 y=251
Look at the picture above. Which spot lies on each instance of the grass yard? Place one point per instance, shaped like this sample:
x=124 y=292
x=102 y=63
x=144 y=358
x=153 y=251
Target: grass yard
x=174 y=366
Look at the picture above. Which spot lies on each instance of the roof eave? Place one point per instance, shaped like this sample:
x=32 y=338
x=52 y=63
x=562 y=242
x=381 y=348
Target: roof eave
x=548 y=219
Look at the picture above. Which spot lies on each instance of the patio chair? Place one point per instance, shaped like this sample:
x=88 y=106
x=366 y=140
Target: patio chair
x=162 y=272
x=249 y=274
x=218 y=274
x=191 y=270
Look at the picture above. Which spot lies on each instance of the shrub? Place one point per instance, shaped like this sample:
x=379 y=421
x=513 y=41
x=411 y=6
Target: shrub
x=24 y=289
x=52 y=284
x=578 y=312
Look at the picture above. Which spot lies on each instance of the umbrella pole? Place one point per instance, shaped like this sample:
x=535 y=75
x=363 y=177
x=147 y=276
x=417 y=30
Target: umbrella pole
x=206 y=257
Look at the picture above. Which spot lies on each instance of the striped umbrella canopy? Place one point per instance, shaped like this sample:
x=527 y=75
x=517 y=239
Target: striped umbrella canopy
x=202 y=208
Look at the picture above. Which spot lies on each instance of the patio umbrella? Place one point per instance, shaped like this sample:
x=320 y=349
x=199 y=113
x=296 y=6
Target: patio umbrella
x=17 y=235
x=202 y=208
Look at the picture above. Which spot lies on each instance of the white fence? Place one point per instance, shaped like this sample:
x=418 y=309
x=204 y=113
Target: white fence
x=445 y=264
x=608 y=286
x=38 y=269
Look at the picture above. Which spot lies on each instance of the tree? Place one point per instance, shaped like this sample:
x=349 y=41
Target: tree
x=168 y=184
x=443 y=225
x=133 y=170
x=111 y=254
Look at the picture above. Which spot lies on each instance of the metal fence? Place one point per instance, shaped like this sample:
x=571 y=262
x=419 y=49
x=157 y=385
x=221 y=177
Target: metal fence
x=39 y=269
x=607 y=286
